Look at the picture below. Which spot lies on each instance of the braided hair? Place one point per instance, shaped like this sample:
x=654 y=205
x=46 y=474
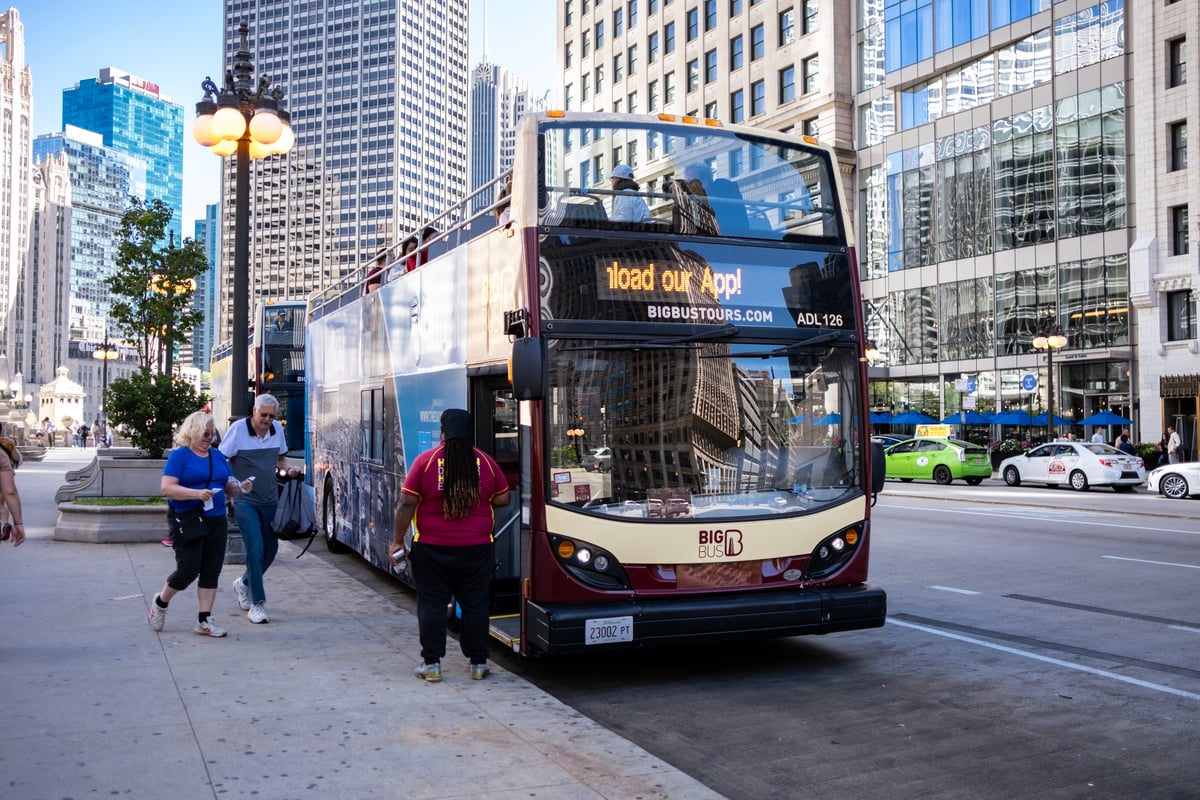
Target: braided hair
x=460 y=490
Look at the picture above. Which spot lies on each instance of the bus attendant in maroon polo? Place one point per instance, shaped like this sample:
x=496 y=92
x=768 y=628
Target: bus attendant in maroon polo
x=450 y=491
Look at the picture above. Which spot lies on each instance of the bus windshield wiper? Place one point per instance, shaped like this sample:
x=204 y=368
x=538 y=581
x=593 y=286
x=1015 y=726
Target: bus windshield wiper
x=784 y=350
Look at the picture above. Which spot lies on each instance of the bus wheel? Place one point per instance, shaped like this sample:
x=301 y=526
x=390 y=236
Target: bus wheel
x=329 y=523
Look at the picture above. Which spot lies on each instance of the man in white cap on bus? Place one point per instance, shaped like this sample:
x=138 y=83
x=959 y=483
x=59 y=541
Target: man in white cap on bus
x=627 y=206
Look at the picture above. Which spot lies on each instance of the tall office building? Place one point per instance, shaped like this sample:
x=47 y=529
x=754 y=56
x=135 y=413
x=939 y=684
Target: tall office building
x=498 y=100
x=197 y=351
x=776 y=64
x=136 y=119
x=16 y=164
x=45 y=299
x=1164 y=265
x=102 y=179
x=993 y=164
x=377 y=94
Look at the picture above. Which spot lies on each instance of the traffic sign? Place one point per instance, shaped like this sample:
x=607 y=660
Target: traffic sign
x=1029 y=382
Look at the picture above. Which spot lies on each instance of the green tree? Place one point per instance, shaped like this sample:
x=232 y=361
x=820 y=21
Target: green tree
x=149 y=404
x=154 y=283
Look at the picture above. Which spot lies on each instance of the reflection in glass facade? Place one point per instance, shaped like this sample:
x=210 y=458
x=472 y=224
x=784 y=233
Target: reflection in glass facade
x=964 y=195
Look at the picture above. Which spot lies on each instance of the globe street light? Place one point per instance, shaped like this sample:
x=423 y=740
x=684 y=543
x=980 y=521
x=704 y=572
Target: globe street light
x=1049 y=339
x=243 y=119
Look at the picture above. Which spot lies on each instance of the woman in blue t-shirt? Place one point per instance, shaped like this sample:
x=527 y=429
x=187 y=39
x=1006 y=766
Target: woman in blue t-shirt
x=196 y=476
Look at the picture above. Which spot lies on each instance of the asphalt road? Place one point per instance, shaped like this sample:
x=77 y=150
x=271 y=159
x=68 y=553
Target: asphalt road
x=1040 y=643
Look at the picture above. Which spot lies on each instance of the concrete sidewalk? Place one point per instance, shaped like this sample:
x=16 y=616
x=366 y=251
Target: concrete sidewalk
x=320 y=702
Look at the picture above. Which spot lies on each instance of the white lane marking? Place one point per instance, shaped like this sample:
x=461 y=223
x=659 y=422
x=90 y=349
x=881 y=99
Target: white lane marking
x=1184 y=628
x=1157 y=687
x=1072 y=518
x=952 y=589
x=1160 y=563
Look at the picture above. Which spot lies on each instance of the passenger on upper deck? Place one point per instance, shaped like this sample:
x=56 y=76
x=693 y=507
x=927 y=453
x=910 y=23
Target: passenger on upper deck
x=723 y=195
x=626 y=206
x=504 y=202
x=411 y=244
x=375 y=274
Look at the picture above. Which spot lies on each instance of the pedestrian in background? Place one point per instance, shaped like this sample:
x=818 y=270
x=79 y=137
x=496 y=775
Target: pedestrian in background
x=448 y=496
x=1125 y=446
x=12 y=520
x=256 y=447
x=194 y=478
x=1174 y=443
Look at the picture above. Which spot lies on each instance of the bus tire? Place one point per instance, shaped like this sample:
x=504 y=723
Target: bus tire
x=329 y=522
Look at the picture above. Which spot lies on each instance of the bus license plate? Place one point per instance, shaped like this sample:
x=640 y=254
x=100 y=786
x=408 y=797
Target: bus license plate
x=606 y=631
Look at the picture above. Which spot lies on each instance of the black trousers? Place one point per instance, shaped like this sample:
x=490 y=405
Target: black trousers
x=202 y=558
x=464 y=573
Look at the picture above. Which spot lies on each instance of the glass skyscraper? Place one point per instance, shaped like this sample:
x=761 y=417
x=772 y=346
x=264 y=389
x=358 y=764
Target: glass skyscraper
x=133 y=117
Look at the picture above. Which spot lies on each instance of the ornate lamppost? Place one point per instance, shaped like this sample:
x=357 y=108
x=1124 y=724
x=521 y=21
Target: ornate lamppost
x=104 y=353
x=1049 y=339
x=245 y=119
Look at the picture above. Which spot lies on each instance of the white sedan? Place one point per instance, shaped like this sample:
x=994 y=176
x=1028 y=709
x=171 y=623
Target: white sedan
x=1079 y=465
x=1175 y=480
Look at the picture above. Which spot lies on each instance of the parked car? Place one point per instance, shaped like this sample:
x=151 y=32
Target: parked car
x=886 y=439
x=1079 y=465
x=1175 y=480
x=943 y=460
x=598 y=459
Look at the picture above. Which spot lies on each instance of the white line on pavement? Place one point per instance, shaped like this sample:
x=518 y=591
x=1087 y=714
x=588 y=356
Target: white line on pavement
x=951 y=589
x=1160 y=563
x=1065 y=518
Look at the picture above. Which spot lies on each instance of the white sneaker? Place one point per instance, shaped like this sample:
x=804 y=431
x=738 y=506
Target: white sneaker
x=243 y=594
x=258 y=613
x=208 y=629
x=158 y=616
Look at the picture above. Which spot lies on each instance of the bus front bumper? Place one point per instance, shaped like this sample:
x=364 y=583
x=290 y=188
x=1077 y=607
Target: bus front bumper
x=556 y=629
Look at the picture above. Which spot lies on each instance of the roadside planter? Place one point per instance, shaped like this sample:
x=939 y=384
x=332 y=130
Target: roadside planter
x=113 y=499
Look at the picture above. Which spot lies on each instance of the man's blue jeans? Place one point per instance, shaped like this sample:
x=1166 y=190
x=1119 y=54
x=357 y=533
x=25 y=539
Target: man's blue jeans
x=254 y=521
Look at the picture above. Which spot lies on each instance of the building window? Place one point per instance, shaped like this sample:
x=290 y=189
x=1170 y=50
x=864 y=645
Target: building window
x=618 y=21
x=1178 y=146
x=735 y=7
x=587 y=43
x=1179 y=230
x=631 y=12
x=669 y=37
x=787 y=27
x=669 y=88
x=652 y=46
x=710 y=14
x=568 y=14
x=617 y=71
x=810 y=127
x=758 y=98
x=735 y=53
x=599 y=79
x=787 y=85
x=809 y=68
x=1177 y=62
x=653 y=6
x=737 y=106
x=710 y=110
x=693 y=75
x=710 y=66
x=693 y=23
x=757 y=43
x=652 y=95
x=586 y=84
x=567 y=96
x=631 y=102
x=568 y=54
x=631 y=59
x=1181 y=316
x=599 y=34
x=810 y=16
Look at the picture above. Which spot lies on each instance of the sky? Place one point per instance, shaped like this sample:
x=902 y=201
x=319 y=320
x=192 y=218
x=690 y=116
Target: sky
x=178 y=44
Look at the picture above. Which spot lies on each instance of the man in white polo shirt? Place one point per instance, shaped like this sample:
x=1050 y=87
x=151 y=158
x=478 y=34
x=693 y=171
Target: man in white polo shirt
x=256 y=447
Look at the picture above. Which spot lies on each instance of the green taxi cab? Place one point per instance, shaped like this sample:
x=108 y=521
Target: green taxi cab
x=938 y=459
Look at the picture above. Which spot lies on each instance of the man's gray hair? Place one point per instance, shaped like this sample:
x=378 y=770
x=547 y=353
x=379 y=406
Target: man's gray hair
x=266 y=401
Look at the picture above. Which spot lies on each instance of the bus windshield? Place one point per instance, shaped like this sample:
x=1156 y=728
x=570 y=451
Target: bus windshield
x=679 y=429
x=686 y=179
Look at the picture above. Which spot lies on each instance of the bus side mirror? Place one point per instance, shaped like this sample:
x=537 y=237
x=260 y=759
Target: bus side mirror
x=878 y=467
x=527 y=369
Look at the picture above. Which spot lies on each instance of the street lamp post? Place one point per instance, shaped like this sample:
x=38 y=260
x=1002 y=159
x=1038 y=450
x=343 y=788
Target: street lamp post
x=104 y=353
x=1049 y=339
x=244 y=119
x=577 y=435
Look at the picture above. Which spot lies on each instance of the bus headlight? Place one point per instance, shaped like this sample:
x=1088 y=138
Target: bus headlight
x=590 y=564
x=831 y=554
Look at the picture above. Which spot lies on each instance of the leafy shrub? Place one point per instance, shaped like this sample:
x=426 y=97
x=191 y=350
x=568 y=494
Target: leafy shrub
x=149 y=405
x=1008 y=447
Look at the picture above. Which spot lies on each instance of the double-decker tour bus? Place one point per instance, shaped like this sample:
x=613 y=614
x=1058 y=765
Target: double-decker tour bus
x=276 y=366
x=678 y=402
